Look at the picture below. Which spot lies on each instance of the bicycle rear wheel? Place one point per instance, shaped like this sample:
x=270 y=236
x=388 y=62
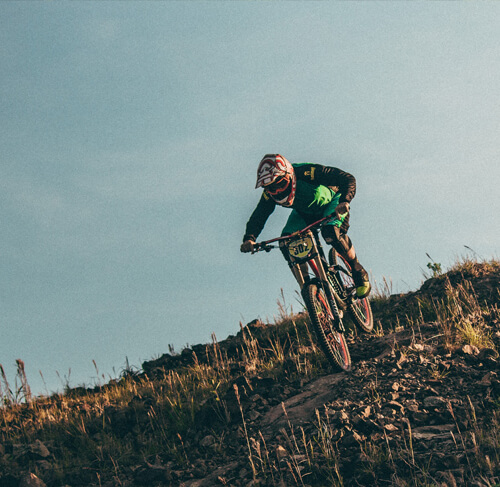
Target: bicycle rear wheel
x=359 y=309
x=332 y=342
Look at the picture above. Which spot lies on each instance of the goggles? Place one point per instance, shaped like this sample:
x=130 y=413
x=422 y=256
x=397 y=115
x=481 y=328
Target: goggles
x=278 y=186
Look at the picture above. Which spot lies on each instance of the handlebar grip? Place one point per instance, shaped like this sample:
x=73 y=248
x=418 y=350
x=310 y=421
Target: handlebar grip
x=263 y=246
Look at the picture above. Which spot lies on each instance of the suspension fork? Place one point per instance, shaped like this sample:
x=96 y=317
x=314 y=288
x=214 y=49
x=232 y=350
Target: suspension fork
x=316 y=262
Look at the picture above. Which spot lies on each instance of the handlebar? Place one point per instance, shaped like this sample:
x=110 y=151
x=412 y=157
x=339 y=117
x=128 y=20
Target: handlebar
x=265 y=245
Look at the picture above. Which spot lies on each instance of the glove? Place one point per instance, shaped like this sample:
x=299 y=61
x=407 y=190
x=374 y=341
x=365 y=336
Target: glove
x=247 y=246
x=342 y=210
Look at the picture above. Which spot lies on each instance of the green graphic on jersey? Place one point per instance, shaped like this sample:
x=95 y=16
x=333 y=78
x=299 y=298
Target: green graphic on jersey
x=322 y=196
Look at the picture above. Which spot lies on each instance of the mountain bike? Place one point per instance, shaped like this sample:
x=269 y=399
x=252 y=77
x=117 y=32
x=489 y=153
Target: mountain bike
x=328 y=291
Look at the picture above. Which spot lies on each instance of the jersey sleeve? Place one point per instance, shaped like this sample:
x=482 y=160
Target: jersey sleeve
x=259 y=217
x=333 y=177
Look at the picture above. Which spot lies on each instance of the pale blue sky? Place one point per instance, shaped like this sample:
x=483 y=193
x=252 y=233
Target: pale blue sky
x=131 y=133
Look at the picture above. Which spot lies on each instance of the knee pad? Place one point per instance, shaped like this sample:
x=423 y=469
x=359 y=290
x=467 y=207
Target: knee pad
x=339 y=241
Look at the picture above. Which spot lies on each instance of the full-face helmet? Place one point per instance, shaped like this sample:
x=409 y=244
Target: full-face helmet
x=276 y=175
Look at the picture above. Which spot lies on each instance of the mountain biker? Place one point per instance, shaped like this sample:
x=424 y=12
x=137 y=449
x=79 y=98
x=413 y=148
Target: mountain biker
x=312 y=191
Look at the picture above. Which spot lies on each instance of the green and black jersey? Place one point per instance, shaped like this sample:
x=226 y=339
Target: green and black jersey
x=317 y=187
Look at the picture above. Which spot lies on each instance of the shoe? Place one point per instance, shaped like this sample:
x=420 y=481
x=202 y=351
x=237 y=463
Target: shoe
x=361 y=281
x=363 y=291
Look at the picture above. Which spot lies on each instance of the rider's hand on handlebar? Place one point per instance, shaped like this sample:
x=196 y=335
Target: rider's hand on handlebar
x=247 y=246
x=342 y=210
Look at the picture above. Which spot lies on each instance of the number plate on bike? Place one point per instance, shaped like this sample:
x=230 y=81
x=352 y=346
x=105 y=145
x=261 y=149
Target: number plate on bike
x=300 y=248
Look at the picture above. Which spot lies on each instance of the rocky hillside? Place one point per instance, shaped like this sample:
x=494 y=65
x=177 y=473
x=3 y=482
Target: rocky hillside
x=263 y=408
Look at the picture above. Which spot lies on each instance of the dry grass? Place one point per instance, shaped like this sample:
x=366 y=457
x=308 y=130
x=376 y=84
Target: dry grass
x=105 y=431
x=115 y=426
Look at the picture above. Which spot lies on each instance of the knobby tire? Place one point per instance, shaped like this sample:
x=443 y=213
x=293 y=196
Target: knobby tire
x=332 y=342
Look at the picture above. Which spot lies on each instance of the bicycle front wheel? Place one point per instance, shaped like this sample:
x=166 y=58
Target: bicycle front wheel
x=332 y=342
